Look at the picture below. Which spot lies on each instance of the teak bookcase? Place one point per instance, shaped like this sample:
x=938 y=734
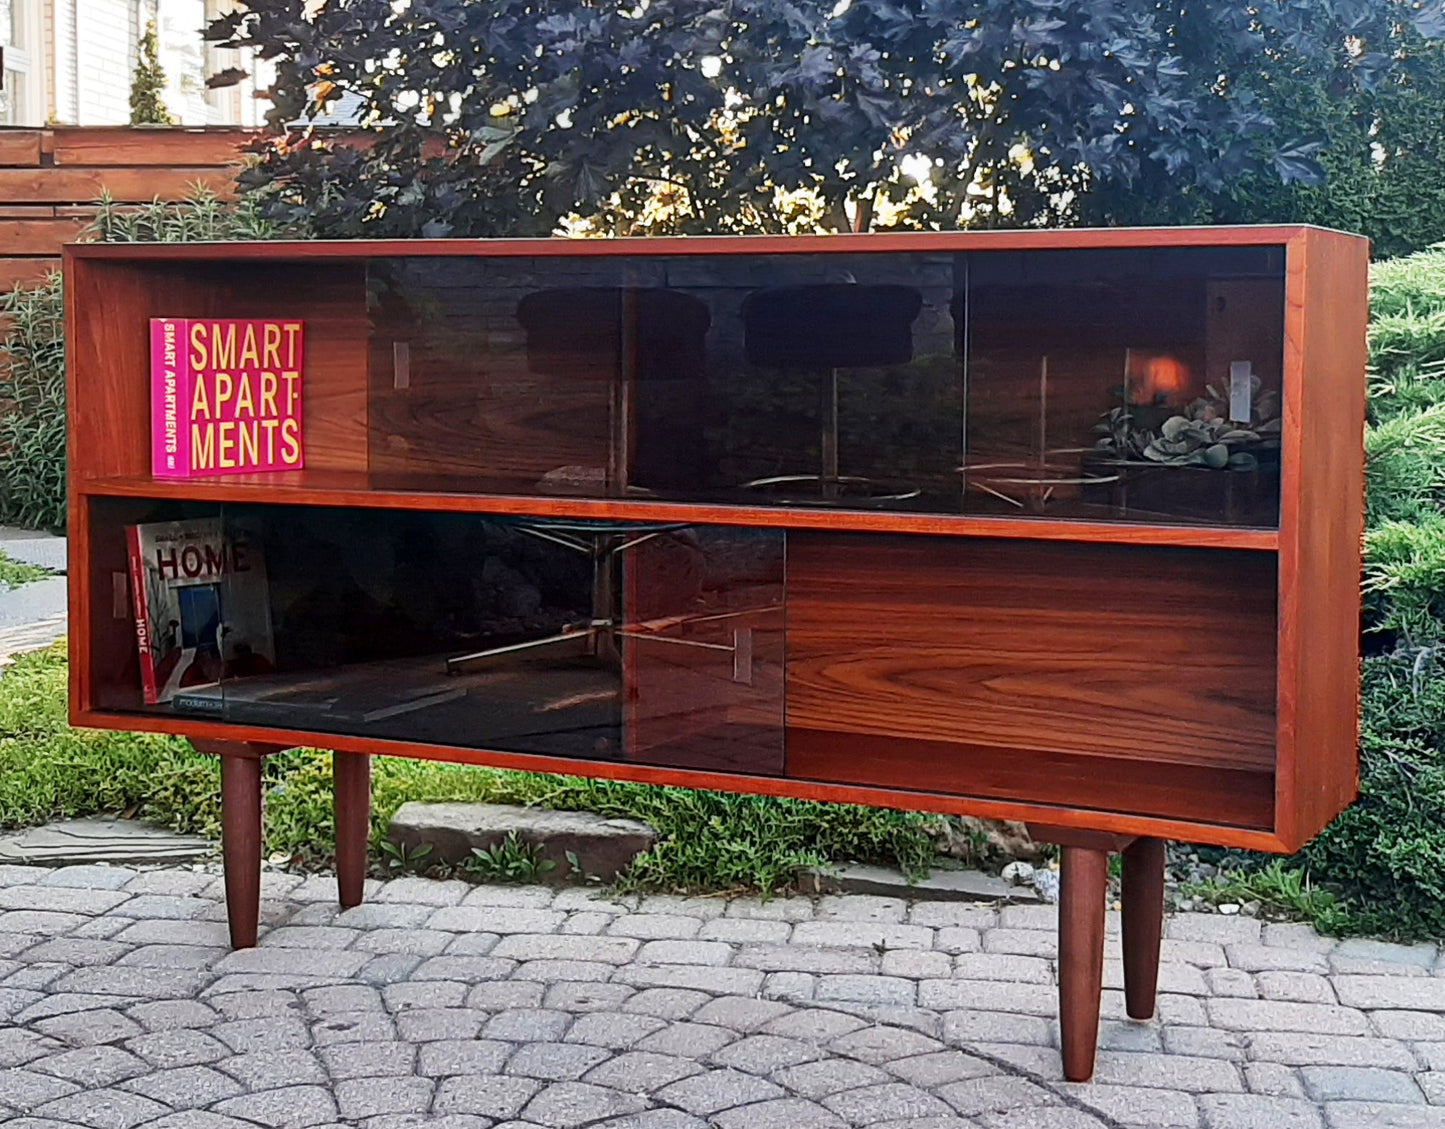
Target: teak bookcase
x=1061 y=527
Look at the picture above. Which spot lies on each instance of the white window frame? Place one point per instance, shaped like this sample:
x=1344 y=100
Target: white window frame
x=24 y=87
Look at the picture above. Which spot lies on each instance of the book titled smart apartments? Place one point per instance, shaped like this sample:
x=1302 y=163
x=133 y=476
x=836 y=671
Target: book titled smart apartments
x=226 y=396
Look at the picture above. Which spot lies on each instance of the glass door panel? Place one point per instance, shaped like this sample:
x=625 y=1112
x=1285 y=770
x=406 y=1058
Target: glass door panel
x=1123 y=383
x=597 y=640
x=809 y=380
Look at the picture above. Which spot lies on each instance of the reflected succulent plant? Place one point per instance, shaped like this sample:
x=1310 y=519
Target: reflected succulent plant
x=1202 y=434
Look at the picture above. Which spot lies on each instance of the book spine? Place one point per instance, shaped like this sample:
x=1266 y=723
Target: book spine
x=150 y=692
x=170 y=398
x=208 y=704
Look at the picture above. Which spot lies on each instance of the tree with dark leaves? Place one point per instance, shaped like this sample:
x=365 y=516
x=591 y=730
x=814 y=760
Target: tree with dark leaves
x=500 y=117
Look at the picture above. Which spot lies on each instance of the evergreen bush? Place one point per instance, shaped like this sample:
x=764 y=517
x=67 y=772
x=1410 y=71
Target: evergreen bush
x=1385 y=856
x=148 y=83
x=32 y=408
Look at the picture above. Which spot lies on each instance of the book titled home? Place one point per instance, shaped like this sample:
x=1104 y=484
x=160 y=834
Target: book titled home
x=226 y=395
x=202 y=607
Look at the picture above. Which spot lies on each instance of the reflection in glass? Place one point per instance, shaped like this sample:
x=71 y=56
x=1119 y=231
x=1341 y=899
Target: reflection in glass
x=1120 y=383
x=660 y=644
x=1126 y=383
x=822 y=329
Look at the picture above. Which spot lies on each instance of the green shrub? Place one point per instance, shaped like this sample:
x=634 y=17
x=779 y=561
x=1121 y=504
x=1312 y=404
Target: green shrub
x=148 y=82
x=1385 y=856
x=32 y=408
x=14 y=573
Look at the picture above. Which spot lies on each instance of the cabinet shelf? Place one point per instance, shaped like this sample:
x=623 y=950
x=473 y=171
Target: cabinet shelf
x=393 y=492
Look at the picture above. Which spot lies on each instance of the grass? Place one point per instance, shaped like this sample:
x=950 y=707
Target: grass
x=1281 y=890
x=14 y=573
x=707 y=841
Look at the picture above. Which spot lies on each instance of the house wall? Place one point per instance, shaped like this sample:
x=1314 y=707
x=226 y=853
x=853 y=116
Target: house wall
x=80 y=57
x=105 y=52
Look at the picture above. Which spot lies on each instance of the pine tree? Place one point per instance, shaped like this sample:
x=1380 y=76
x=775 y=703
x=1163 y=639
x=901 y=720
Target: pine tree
x=147 y=106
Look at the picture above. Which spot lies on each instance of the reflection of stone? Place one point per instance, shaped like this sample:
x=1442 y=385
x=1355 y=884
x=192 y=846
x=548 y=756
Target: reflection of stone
x=586 y=480
x=603 y=847
x=101 y=840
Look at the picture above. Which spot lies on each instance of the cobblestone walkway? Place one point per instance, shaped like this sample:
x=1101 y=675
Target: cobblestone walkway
x=442 y=1004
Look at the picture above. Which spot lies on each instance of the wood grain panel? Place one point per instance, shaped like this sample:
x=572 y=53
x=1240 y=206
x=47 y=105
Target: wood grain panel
x=1188 y=829
x=128 y=185
x=108 y=367
x=496 y=441
x=1163 y=655
x=1239 y=797
x=89 y=145
x=25 y=272
x=19 y=147
x=1322 y=521
x=721 y=244
x=420 y=492
x=39 y=236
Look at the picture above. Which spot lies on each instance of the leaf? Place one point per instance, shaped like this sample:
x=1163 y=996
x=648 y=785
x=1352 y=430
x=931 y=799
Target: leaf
x=1370 y=68
x=231 y=76
x=1296 y=162
x=1430 y=20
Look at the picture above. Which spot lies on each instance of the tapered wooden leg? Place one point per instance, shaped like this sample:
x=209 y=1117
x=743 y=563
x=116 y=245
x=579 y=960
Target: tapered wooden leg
x=352 y=772
x=240 y=831
x=241 y=846
x=1084 y=878
x=1143 y=924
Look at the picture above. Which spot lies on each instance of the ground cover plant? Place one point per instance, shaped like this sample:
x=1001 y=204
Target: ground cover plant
x=15 y=573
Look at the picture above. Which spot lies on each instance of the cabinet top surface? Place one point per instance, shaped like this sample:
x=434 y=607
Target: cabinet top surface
x=944 y=241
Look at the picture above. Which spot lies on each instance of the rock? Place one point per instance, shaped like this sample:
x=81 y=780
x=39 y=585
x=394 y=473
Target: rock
x=964 y=837
x=1018 y=874
x=940 y=886
x=1046 y=884
x=101 y=840
x=1228 y=909
x=604 y=847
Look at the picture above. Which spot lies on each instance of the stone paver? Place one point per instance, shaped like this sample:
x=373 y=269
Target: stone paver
x=436 y=1003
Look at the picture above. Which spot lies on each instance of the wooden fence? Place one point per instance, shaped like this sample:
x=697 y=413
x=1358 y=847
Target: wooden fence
x=51 y=178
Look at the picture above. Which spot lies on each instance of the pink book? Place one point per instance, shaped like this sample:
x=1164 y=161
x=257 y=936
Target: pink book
x=226 y=396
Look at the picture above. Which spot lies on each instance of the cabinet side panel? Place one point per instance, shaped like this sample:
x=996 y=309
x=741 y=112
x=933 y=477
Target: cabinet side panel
x=1151 y=668
x=1322 y=521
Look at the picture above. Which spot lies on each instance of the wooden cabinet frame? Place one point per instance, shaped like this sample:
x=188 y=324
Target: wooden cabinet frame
x=1301 y=604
